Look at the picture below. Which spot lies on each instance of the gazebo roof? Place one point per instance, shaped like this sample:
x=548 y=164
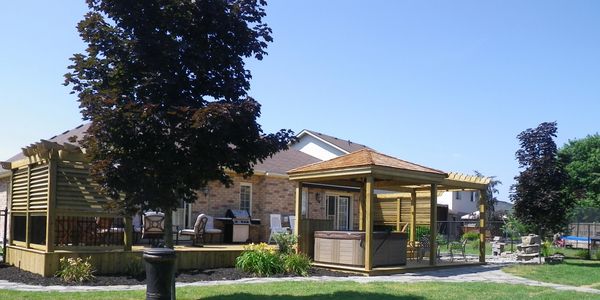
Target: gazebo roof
x=367 y=162
x=364 y=158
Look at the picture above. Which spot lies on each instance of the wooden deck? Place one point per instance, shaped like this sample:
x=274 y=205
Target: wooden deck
x=115 y=260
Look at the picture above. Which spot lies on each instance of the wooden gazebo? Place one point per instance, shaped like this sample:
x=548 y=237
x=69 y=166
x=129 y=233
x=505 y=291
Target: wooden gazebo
x=55 y=206
x=370 y=171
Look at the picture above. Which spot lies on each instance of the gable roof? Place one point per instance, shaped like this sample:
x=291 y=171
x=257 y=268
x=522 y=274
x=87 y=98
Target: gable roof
x=344 y=145
x=285 y=160
x=364 y=158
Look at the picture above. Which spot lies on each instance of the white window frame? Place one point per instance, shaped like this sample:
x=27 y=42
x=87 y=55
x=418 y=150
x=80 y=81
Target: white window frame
x=246 y=184
x=350 y=207
x=304 y=212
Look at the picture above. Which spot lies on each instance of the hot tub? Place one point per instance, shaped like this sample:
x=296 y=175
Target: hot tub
x=348 y=248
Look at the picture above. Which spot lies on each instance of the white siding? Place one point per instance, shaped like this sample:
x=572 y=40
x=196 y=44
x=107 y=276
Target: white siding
x=316 y=148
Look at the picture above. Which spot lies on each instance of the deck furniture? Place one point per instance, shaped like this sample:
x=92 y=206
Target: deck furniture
x=153 y=227
x=210 y=229
x=197 y=233
x=276 y=226
x=458 y=248
x=292 y=223
x=425 y=248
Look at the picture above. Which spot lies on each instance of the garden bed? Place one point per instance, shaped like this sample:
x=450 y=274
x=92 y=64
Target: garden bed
x=14 y=274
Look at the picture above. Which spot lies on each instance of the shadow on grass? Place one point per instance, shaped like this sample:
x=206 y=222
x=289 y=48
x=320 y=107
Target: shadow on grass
x=336 y=295
x=583 y=263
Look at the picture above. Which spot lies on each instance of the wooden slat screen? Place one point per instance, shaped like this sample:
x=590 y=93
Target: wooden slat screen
x=386 y=211
x=30 y=184
x=75 y=189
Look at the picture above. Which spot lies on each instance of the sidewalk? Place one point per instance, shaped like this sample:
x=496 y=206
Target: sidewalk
x=486 y=273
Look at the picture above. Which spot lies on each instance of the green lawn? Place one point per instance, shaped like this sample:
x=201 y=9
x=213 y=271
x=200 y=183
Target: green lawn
x=571 y=272
x=332 y=291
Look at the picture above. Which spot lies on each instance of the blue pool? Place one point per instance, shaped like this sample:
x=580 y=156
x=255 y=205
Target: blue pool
x=576 y=238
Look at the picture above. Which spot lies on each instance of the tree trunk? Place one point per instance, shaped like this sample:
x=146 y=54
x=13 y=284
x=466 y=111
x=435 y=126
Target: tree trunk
x=168 y=228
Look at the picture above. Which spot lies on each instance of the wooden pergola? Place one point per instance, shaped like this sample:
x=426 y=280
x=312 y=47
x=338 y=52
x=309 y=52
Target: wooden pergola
x=369 y=170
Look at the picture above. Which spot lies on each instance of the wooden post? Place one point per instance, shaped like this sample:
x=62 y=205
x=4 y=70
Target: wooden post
x=361 y=209
x=398 y=210
x=27 y=214
x=50 y=211
x=369 y=195
x=128 y=234
x=298 y=210
x=433 y=225
x=413 y=216
x=482 y=225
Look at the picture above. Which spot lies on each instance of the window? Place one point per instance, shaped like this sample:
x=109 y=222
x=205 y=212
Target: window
x=474 y=196
x=457 y=195
x=246 y=197
x=305 y=202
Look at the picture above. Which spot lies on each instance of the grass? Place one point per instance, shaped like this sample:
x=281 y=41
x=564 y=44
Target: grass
x=472 y=248
x=571 y=272
x=331 y=291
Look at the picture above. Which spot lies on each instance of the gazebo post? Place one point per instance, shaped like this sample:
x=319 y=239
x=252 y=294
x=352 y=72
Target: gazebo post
x=369 y=223
x=297 y=226
x=482 y=221
x=50 y=211
x=361 y=208
x=433 y=225
x=413 y=216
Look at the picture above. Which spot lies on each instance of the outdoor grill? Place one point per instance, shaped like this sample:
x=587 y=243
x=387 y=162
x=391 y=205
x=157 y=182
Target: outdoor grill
x=237 y=226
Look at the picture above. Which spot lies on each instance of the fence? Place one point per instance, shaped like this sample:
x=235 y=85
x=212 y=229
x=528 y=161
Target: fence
x=579 y=235
x=454 y=230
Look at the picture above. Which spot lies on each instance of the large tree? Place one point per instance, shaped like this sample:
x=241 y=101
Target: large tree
x=582 y=163
x=538 y=193
x=165 y=85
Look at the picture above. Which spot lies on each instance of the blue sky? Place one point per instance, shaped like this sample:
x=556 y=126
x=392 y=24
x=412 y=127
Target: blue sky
x=447 y=84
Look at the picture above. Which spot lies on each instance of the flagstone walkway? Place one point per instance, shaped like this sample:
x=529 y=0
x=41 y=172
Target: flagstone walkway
x=486 y=273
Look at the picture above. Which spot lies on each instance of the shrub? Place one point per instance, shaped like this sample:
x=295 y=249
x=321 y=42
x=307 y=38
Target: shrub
x=420 y=231
x=582 y=254
x=597 y=255
x=286 y=242
x=260 y=260
x=75 y=269
x=135 y=267
x=471 y=236
x=298 y=264
x=546 y=247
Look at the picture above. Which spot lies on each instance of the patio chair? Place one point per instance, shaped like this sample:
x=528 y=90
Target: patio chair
x=210 y=229
x=197 y=233
x=456 y=248
x=425 y=247
x=153 y=227
x=276 y=226
x=292 y=223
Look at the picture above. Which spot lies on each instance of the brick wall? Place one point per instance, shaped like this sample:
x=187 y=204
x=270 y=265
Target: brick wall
x=270 y=195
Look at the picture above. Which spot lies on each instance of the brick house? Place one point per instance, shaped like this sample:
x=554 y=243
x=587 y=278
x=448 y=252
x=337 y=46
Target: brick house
x=268 y=191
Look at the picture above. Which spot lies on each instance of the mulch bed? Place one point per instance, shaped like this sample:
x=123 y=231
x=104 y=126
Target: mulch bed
x=14 y=274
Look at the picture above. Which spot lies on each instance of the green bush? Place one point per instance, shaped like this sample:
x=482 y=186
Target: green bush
x=597 y=255
x=298 y=264
x=470 y=236
x=286 y=242
x=420 y=231
x=546 y=247
x=75 y=269
x=135 y=267
x=582 y=254
x=260 y=260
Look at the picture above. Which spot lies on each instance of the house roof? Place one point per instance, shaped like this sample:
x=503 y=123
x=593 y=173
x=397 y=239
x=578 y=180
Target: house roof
x=279 y=163
x=344 y=145
x=61 y=139
x=364 y=158
x=283 y=161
